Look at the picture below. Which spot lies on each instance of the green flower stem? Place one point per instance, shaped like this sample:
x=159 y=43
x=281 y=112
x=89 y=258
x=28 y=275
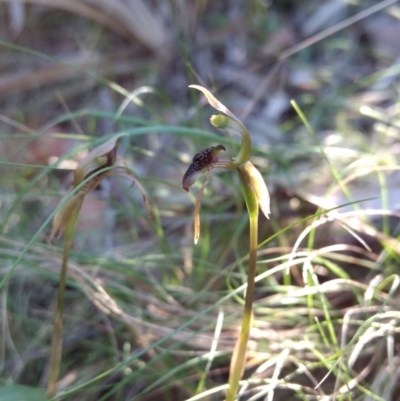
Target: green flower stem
x=56 y=347
x=239 y=355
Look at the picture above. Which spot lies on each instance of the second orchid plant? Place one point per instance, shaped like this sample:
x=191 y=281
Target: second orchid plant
x=97 y=165
x=256 y=196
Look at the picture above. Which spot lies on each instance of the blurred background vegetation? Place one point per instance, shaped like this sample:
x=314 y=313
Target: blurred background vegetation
x=148 y=315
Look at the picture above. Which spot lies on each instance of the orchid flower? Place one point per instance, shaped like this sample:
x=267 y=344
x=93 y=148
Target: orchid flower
x=89 y=169
x=256 y=196
x=252 y=183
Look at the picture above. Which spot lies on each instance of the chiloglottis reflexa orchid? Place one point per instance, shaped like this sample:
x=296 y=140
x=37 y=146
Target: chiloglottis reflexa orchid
x=253 y=184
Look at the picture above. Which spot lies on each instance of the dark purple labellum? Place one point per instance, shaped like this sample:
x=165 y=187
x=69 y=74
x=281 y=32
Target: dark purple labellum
x=207 y=156
x=201 y=161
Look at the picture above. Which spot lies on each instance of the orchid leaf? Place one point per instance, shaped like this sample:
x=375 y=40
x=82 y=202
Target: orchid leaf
x=19 y=392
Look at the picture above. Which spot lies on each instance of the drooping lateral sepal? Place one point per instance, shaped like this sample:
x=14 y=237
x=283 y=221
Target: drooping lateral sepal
x=253 y=178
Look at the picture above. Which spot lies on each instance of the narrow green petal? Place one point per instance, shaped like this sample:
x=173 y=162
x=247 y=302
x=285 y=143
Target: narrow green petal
x=197 y=209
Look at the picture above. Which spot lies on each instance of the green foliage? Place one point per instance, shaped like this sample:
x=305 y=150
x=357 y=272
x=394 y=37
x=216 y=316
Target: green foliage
x=148 y=315
x=17 y=392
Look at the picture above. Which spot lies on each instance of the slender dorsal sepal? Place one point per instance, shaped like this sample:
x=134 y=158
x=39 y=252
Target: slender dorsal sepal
x=215 y=102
